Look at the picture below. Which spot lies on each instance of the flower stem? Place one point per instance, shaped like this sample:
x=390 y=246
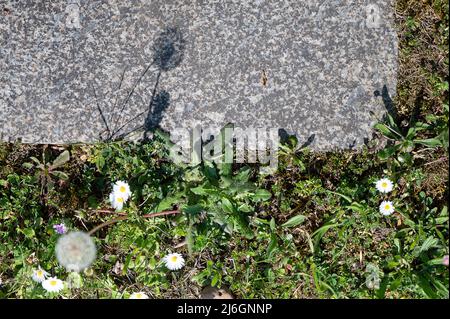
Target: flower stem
x=118 y=219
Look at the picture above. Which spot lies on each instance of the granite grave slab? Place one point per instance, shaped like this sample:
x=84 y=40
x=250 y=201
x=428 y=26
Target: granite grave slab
x=88 y=70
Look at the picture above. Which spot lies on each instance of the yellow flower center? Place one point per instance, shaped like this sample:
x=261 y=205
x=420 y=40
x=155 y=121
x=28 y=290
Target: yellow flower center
x=120 y=199
x=384 y=185
x=387 y=207
x=53 y=282
x=174 y=259
x=122 y=189
x=138 y=296
x=39 y=273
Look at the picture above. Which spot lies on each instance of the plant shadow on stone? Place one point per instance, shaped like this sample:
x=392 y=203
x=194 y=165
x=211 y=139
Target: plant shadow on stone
x=168 y=53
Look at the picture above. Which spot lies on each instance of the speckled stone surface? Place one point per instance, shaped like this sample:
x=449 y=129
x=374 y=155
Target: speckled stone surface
x=81 y=71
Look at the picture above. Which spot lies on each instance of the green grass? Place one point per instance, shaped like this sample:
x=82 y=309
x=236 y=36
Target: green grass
x=310 y=230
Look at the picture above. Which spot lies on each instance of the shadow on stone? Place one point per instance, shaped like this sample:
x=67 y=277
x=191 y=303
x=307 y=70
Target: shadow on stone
x=169 y=49
x=159 y=105
x=309 y=141
x=168 y=53
x=387 y=101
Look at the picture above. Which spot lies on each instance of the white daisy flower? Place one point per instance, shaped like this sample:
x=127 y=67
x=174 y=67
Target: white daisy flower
x=138 y=295
x=53 y=284
x=174 y=261
x=386 y=208
x=39 y=275
x=122 y=189
x=76 y=251
x=116 y=201
x=384 y=185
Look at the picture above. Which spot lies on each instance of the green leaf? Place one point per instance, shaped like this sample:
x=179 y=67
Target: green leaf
x=385 y=131
x=244 y=174
x=28 y=232
x=273 y=245
x=34 y=159
x=63 y=158
x=227 y=205
x=225 y=169
x=441 y=220
x=100 y=162
x=262 y=194
x=294 y=221
x=386 y=153
x=431 y=142
x=348 y=199
x=245 y=208
x=215 y=280
x=428 y=243
x=190 y=238
x=392 y=123
x=193 y=209
x=204 y=190
x=411 y=133
x=318 y=234
x=272 y=224
x=60 y=175
x=28 y=165
x=424 y=283
x=168 y=202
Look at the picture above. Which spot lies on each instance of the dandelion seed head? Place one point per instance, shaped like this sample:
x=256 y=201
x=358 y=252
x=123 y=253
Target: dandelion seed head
x=76 y=251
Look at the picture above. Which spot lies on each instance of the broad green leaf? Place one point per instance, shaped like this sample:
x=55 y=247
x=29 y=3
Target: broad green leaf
x=28 y=165
x=386 y=153
x=60 y=175
x=245 y=208
x=294 y=221
x=168 y=202
x=244 y=174
x=193 y=209
x=100 y=162
x=431 y=142
x=28 y=232
x=63 y=158
x=215 y=280
x=424 y=283
x=441 y=220
x=272 y=224
x=428 y=243
x=262 y=194
x=227 y=205
x=204 y=190
x=385 y=131
x=34 y=159
x=273 y=245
